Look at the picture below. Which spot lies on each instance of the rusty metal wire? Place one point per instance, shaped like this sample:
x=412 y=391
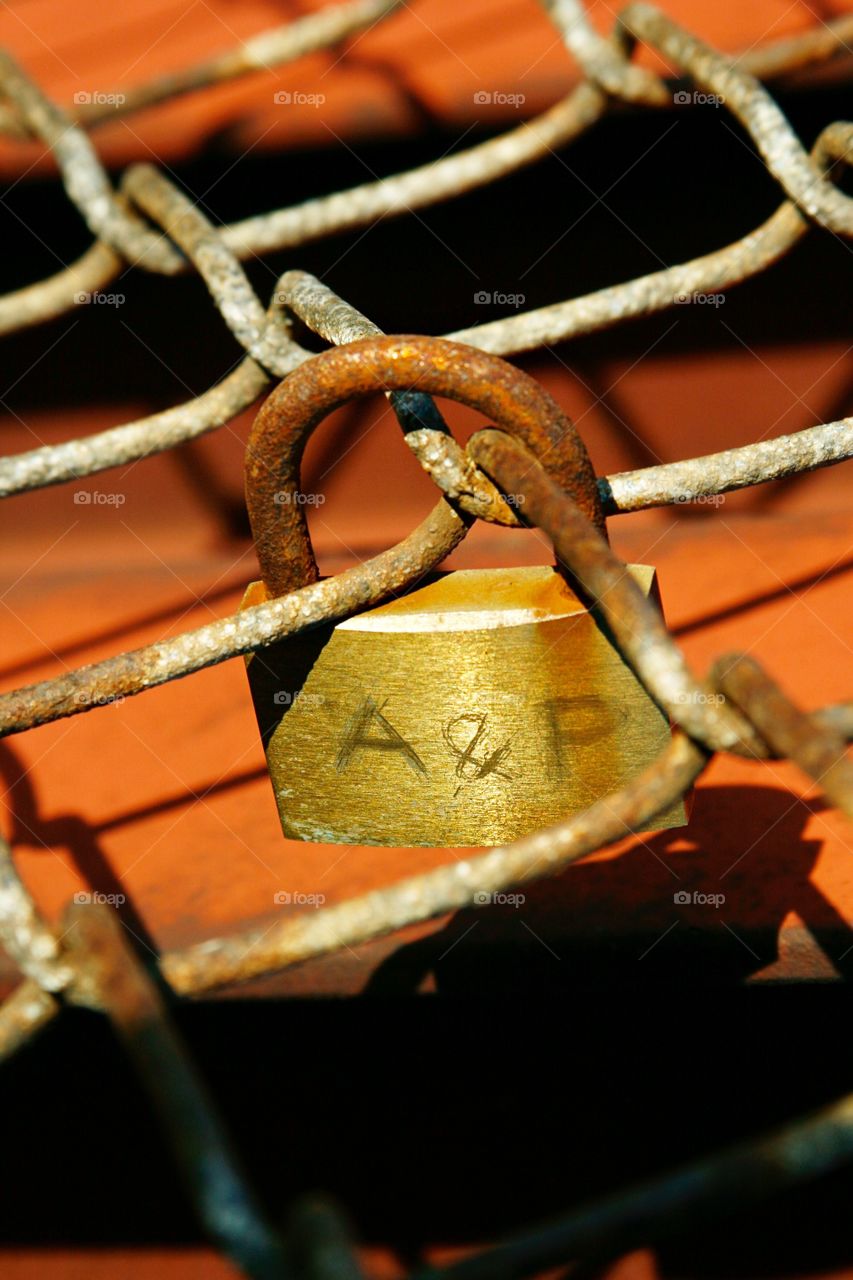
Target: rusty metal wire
x=360 y=587
x=325 y=313
x=424 y=430
x=83 y=175
x=108 y=976
x=26 y=937
x=694 y=1196
x=819 y=751
x=23 y=1014
x=753 y=106
x=394 y=364
x=557 y=322
x=428 y=184
x=85 y=959
x=263 y=52
x=263 y=337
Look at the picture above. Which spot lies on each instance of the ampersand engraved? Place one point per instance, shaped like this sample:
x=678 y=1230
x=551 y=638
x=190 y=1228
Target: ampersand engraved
x=468 y=767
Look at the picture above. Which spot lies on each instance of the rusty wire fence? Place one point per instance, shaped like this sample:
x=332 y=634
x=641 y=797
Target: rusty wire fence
x=147 y=222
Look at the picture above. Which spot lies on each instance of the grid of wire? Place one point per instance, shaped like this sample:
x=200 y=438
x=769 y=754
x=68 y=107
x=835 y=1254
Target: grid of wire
x=149 y=223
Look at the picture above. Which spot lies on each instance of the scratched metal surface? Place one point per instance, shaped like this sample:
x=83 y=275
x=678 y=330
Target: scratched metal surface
x=699 y=907
x=425 y=722
x=191 y=763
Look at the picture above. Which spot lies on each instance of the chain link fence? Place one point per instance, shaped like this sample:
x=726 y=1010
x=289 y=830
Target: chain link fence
x=149 y=223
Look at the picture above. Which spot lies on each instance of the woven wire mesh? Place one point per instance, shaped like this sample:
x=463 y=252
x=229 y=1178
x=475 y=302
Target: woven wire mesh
x=149 y=223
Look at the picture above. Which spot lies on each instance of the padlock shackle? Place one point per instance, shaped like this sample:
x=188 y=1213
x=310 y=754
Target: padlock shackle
x=506 y=395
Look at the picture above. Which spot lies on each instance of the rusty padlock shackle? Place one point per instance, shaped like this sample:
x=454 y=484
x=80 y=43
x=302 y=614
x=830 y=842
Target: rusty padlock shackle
x=506 y=395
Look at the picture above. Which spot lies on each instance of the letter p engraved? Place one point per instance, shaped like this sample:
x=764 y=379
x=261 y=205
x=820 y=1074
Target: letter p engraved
x=576 y=722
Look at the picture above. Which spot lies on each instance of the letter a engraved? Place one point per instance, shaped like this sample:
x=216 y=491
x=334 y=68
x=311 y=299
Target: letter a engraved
x=357 y=737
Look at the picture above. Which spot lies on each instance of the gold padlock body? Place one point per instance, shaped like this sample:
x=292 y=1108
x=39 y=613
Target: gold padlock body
x=472 y=711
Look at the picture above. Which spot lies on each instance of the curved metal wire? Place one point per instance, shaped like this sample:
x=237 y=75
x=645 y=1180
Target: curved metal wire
x=750 y=714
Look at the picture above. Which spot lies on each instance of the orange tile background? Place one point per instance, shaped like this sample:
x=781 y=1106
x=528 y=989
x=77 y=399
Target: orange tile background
x=166 y=794
x=165 y=797
x=426 y=62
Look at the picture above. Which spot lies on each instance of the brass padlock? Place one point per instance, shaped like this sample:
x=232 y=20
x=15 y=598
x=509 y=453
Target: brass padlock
x=479 y=707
